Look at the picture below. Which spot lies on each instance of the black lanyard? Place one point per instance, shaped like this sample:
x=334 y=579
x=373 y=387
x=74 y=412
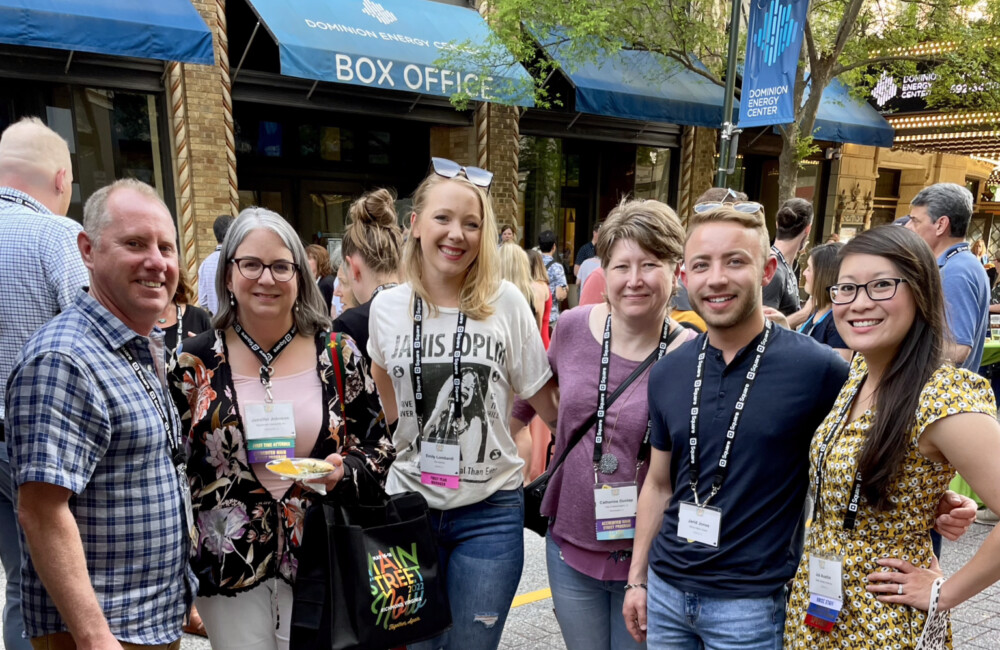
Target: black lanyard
x=24 y=203
x=851 y=515
x=418 y=357
x=382 y=287
x=961 y=248
x=602 y=395
x=173 y=440
x=268 y=358
x=723 y=469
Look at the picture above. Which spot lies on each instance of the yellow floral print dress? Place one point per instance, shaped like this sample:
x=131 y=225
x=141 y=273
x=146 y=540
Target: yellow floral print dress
x=864 y=621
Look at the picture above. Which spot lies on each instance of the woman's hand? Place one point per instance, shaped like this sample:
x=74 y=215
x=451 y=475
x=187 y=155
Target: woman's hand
x=328 y=482
x=955 y=514
x=907 y=585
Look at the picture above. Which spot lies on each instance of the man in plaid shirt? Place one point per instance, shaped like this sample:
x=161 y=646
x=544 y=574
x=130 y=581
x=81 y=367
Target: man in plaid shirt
x=94 y=444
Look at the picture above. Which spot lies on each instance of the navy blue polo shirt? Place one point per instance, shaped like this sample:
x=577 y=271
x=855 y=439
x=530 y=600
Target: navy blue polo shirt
x=762 y=498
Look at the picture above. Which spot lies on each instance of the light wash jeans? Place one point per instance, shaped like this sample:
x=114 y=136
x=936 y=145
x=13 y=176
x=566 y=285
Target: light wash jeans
x=481 y=549
x=679 y=620
x=589 y=611
x=10 y=555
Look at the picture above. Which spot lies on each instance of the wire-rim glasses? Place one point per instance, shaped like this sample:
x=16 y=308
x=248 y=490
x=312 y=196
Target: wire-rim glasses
x=879 y=289
x=252 y=268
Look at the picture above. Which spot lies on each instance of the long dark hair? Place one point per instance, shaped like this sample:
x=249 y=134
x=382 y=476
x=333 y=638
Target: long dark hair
x=918 y=357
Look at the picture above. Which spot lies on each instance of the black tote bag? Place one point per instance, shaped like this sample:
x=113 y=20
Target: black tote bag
x=368 y=577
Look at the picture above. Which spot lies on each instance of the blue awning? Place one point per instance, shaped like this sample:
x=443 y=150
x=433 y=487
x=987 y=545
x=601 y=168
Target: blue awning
x=842 y=118
x=645 y=86
x=390 y=44
x=167 y=30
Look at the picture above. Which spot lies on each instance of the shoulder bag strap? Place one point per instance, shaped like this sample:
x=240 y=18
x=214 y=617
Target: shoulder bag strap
x=592 y=420
x=336 y=359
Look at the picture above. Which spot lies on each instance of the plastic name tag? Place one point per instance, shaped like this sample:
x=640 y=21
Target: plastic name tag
x=700 y=524
x=614 y=510
x=270 y=431
x=825 y=591
x=439 y=464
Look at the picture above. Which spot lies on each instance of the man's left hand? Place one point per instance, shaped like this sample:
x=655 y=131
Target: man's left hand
x=955 y=514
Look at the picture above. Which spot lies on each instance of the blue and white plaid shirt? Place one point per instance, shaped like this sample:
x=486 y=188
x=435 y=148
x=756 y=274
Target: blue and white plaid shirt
x=42 y=272
x=78 y=417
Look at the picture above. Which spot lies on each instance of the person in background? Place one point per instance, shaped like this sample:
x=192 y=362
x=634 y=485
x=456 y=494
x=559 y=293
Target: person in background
x=42 y=271
x=557 y=275
x=586 y=252
x=344 y=293
x=902 y=424
x=820 y=273
x=180 y=320
x=96 y=448
x=979 y=250
x=508 y=234
x=324 y=274
x=372 y=246
x=540 y=291
x=206 y=272
x=640 y=244
x=794 y=223
x=457 y=450
x=515 y=268
x=267 y=362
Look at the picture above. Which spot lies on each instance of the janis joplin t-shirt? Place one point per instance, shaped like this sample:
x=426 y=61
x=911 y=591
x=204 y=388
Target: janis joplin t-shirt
x=502 y=356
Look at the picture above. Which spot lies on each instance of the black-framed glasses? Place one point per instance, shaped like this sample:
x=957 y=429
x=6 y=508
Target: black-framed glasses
x=881 y=289
x=451 y=169
x=748 y=207
x=252 y=268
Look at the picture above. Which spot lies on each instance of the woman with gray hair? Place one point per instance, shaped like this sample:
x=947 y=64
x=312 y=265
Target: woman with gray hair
x=259 y=387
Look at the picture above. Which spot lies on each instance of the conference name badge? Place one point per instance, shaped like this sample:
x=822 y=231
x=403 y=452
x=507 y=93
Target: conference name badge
x=270 y=431
x=615 y=507
x=700 y=524
x=439 y=464
x=825 y=591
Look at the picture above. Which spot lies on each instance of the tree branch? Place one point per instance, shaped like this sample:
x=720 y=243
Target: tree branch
x=847 y=23
x=840 y=69
x=811 y=45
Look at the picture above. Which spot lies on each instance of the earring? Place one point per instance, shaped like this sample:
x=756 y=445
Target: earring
x=296 y=306
x=232 y=299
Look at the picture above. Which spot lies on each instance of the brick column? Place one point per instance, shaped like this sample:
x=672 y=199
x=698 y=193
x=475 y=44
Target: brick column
x=697 y=167
x=498 y=141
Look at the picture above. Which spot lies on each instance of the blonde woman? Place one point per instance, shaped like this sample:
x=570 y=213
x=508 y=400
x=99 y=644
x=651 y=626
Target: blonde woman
x=514 y=268
x=455 y=326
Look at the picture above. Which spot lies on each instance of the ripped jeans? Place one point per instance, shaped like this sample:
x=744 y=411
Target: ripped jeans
x=481 y=547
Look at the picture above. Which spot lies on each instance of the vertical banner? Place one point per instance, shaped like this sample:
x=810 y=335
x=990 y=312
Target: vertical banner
x=774 y=42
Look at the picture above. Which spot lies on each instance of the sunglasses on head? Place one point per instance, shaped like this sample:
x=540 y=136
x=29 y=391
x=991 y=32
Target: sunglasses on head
x=451 y=169
x=749 y=207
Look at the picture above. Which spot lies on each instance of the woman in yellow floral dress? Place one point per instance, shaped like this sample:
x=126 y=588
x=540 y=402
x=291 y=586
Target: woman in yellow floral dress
x=904 y=421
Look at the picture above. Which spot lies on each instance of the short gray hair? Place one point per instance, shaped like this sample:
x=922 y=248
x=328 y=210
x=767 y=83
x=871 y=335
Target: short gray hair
x=311 y=315
x=95 y=210
x=947 y=199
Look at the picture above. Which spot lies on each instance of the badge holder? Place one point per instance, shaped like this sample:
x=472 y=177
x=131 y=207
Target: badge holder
x=439 y=464
x=615 y=506
x=699 y=523
x=825 y=594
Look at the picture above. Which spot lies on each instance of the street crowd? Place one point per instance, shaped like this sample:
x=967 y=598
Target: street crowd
x=729 y=468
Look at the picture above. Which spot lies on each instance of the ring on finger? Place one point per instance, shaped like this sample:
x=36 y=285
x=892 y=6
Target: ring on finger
x=900 y=590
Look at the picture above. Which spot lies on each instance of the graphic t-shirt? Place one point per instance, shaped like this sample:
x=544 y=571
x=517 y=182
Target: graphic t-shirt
x=502 y=356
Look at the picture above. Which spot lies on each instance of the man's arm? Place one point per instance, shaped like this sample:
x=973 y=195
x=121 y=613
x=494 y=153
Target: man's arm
x=562 y=289
x=963 y=312
x=57 y=555
x=656 y=493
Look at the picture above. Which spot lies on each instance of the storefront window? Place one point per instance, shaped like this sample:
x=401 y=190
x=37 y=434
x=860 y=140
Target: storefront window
x=111 y=134
x=652 y=174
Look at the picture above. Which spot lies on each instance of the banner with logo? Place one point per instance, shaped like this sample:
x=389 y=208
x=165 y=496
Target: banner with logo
x=774 y=43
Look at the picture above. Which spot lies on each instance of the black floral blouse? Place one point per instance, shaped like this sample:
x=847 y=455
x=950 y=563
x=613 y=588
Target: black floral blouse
x=244 y=534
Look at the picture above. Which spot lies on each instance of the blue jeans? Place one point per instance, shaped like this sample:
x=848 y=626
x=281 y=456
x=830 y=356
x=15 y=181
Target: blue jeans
x=10 y=554
x=481 y=549
x=679 y=620
x=589 y=611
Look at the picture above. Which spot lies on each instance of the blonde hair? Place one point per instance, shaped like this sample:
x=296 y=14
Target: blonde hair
x=482 y=278
x=514 y=269
x=726 y=214
x=652 y=225
x=373 y=232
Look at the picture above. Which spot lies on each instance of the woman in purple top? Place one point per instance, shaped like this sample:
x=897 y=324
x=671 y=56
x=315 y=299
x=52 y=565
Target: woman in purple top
x=591 y=498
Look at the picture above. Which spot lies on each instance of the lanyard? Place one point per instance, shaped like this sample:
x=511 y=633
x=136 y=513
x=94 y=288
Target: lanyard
x=602 y=395
x=723 y=469
x=173 y=440
x=812 y=323
x=851 y=515
x=382 y=287
x=418 y=357
x=266 y=358
x=961 y=248
x=24 y=203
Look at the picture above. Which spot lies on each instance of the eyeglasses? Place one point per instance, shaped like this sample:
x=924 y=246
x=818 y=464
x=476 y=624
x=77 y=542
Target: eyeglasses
x=451 y=169
x=252 y=268
x=749 y=207
x=881 y=289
